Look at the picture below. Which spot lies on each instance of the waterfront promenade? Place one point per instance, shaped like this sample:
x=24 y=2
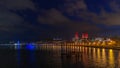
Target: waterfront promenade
x=70 y=44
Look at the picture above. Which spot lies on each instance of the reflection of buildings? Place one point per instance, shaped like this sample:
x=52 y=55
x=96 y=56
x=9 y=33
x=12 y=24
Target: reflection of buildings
x=111 y=59
x=72 y=60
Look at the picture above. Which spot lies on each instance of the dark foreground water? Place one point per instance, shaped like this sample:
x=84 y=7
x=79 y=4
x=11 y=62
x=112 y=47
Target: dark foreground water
x=60 y=57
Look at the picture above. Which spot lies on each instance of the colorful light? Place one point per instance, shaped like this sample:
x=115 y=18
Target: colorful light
x=85 y=35
x=30 y=46
x=17 y=45
x=76 y=35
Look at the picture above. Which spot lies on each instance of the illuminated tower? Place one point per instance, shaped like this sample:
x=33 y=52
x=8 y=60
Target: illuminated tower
x=84 y=35
x=76 y=36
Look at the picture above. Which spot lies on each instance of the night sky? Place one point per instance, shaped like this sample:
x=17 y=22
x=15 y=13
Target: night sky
x=44 y=19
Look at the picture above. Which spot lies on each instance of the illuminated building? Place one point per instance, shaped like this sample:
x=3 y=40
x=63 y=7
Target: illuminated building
x=99 y=39
x=84 y=35
x=76 y=36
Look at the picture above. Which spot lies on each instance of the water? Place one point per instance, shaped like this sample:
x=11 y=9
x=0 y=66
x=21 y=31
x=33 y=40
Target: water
x=60 y=57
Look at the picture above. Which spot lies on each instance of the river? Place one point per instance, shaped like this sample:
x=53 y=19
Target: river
x=60 y=57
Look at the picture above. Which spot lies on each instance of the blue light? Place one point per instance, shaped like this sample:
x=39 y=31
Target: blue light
x=30 y=46
x=17 y=45
x=18 y=57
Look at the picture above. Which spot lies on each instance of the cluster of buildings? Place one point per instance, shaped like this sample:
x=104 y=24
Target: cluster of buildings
x=85 y=40
x=82 y=39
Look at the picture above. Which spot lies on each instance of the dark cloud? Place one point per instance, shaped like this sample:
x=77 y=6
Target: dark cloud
x=108 y=11
x=73 y=6
x=28 y=18
x=84 y=16
x=56 y=18
x=12 y=24
x=17 y=4
x=11 y=21
x=109 y=19
x=52 y=16
x=115 y=5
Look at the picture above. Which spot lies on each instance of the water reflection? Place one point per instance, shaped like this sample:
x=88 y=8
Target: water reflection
x=94 y=56
x=98 y=57
x=26 y=58
x=69 y=57
x=18 y=56
x=111 y=59
x=118 y=60
x=71 y=60
x=103 y=58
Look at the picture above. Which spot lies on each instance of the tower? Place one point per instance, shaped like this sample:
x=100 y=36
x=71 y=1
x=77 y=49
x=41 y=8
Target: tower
x=76 y=36
x=84 y=35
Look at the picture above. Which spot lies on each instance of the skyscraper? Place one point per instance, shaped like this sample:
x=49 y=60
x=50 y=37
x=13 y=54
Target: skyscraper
x=76 y=36
x=84 y=35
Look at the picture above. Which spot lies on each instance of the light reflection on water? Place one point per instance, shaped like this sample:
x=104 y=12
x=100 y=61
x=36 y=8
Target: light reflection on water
x=111 y=59
x=93 y=57
x=103 y=58
x=118 y=59
x=70 y=57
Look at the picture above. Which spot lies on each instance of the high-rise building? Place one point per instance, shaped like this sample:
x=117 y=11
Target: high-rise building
x=84 y=35
x=76 y=36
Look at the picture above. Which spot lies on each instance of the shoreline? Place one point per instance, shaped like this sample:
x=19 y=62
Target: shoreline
x=92 y=46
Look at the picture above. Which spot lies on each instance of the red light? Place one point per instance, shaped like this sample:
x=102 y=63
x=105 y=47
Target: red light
x=85 y=35
x=76 y=35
